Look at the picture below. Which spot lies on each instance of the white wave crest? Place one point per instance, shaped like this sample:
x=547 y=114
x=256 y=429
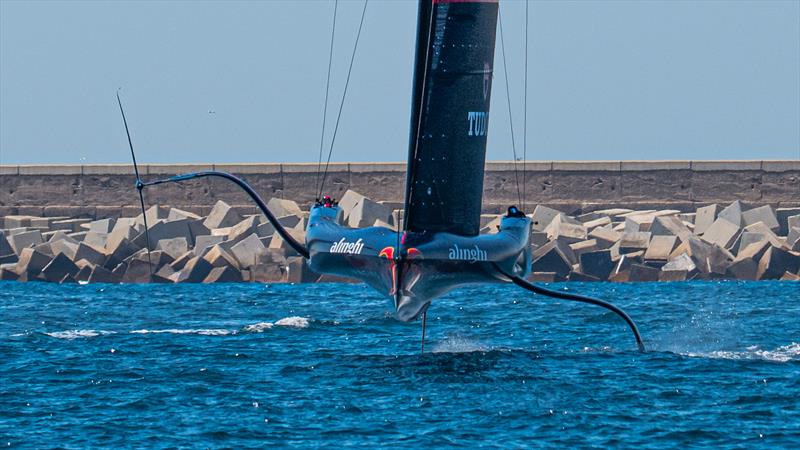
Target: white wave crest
x=784 y=353
x=202 y=331
x=294 y=322
x=77 y=334
x=258 y=327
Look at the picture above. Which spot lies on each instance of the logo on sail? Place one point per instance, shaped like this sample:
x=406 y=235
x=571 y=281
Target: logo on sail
x=477 y=122
x=342 y=246
x=468 y=254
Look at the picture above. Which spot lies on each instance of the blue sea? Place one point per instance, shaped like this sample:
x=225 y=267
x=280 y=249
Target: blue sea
x=326 y=365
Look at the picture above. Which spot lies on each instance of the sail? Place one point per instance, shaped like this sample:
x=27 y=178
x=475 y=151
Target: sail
x=450 y=114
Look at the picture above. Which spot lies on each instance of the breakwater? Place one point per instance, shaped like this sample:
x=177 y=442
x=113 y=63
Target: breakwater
x=106 y=191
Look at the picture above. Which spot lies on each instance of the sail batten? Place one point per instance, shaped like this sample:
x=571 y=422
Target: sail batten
x=450 y=115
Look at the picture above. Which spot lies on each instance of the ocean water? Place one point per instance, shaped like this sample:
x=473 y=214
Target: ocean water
x=251 y=366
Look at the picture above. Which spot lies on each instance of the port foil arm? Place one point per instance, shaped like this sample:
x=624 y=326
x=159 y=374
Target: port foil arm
x=297 y=246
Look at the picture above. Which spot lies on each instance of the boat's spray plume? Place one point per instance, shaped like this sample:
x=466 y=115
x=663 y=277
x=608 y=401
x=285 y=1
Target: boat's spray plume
x=139 y=185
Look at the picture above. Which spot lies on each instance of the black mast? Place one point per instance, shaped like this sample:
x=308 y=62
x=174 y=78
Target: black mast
x=450 y=113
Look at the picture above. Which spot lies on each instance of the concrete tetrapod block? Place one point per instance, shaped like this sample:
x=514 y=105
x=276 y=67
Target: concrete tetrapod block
x=299 y=272
x=793 y=239
x=565 y=231
x=743 y=269
x=5 y=247
x=641 y=272
x=64 y=247
x=542 y=216
x=722 y=232
x=348 y=201
x=224 y=274
x=197 y=228
x=552 y=257
x=582 y=247
x=538 y=239
x=45 y=248
x=705 y=217
x=672 y=275
x=58 y=268
x=759 y=227
x=31 y=262
x=11 y=258
x=719 y=260
x=278 y=243
x=732 y=213
x=204 y=242
x=195 y=271
x=670 y=226
x=634 y=241
x=60 y=235
x=754 y=251
x=775 y=262
x=221 y=216
x=153 y=214
x=597 y=264
x=7 y=273
x=164 y=230
x=102 y=275
x=175 y=213
x=116 y=255
x=102 y=226
x=681 y=262
x=95 y=239
x=788 y=276
x=268 y=273
x=578 y=276
x=746 y=238
x=594 y=215
x=366 y=212
x=157 y=258
x=123 y=230
x=138 y=271
x=599 y=222
x=24 y=240
x=71 y=225
x=174 y=247
x=243 y=229
x=605 y=238
x=784 y=215
x=84 y=273
x=763 y=214
x=218 y=257
x=266 y=229
x=181 y=261
x=90 y=254
x=248 y=251
x=280 y=207
x=660 y=248
x=164 y=275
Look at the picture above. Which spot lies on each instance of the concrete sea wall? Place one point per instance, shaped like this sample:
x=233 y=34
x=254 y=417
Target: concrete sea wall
x=106 y=191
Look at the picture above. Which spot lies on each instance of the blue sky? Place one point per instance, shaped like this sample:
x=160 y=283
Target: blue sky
x=245 y=81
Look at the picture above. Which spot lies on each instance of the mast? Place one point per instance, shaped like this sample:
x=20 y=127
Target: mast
x=449 y=115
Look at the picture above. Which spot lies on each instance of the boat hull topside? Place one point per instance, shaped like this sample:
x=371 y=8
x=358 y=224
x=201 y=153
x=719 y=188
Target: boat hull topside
x=414 y=268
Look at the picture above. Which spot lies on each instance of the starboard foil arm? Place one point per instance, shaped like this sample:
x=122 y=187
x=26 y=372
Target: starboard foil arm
x=524 y=284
